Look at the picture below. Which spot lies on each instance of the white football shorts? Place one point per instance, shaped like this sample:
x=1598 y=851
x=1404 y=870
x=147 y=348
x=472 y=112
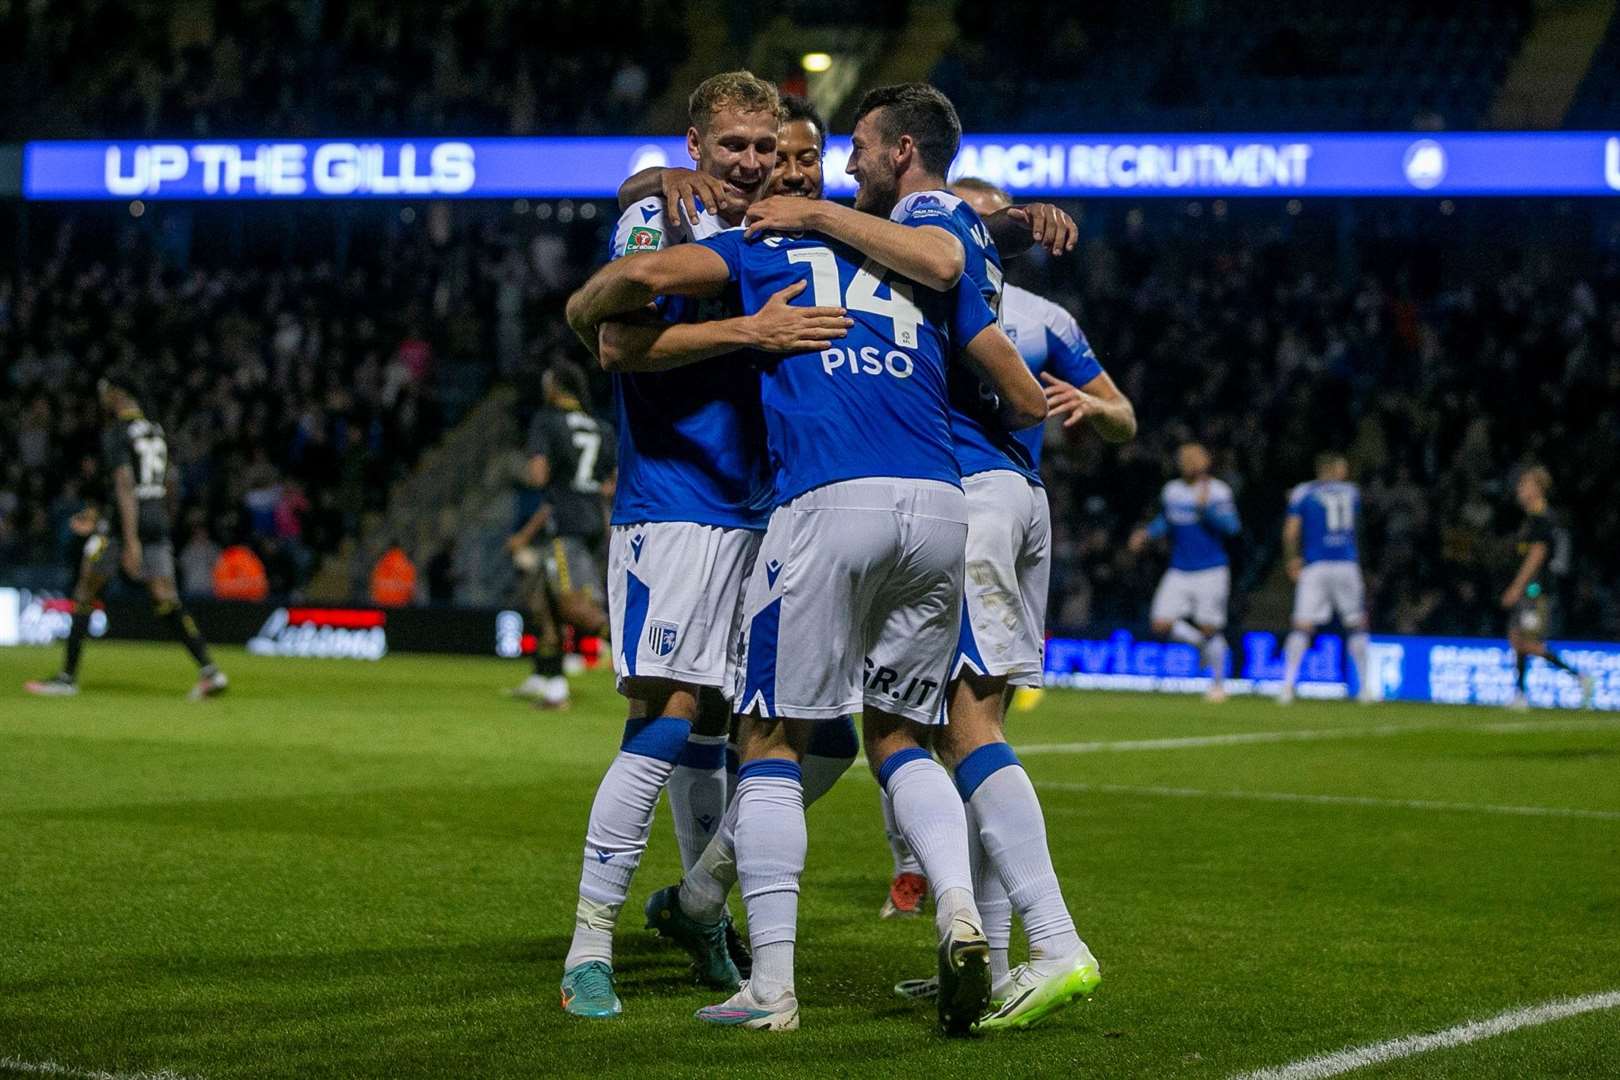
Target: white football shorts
x=1327 y=587
x=1198 y=595
x=1009 y=565
x=675 y=593
x=856 y=602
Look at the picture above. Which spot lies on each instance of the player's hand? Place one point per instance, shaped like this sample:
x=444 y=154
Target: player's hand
x=683 y=189
x=131 y=560
x=83 y=523
x=1296 y=566
x=1203 y=494
x=781 y=213
x=780 y=327
x=1511 y=596
x=1068 y=401
x=1138 y=541
x=1049 y=227
x=514 y=543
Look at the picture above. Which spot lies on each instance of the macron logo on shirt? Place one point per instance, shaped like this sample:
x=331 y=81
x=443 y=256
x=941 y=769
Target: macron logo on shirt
x=648 y=215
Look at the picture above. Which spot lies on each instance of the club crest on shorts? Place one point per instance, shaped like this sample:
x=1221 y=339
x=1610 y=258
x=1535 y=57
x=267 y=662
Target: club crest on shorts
x=661 y=637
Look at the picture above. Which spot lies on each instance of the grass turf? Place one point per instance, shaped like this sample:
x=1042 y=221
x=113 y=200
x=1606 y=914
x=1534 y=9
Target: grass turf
x=368 y=870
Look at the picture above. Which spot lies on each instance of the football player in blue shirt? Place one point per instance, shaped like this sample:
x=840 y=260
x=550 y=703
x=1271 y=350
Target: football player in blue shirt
x=693 y=496
x=1319 y=542
x=689 y=913
x=863 y=554
x=1003 y=637
x=998 y=468
x=678 y=912
x=1198 y=516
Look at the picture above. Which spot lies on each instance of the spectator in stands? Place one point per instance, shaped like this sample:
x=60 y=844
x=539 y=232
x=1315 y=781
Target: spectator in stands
x=393 y=580
x=197 y=561
x=239 y=575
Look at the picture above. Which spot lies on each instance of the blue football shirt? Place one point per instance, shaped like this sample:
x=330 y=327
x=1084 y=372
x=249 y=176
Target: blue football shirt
x=1048 y=339
x=691 y=442
x=1197 y=535
x=1327 y=512
x=874 y=403
x=983 y=444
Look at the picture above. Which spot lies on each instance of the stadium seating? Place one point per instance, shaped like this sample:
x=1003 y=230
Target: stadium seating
x=1230 y=64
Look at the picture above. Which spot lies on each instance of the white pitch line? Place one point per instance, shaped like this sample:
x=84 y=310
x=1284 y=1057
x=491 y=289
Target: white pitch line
x=1335 y=800
x=51 y=1068
x=1358 y=1057
x=1190 y=742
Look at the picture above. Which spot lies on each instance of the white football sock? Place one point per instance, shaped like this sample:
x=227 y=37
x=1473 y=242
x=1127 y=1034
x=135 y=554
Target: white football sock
x=1013 y=832
x=1215 y=656
x=771 y=844
x=991 y=896
x=1293 y=657
x=1184 y=631
x=904 y=861
x=929 y=813
x=697 y=794
x=616 y=835
x=708 y=882
x=1356 y=644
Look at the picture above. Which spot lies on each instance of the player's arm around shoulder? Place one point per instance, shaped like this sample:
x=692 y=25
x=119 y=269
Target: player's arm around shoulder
x=930 y=255
x=627 y=286
x=651 y=344
x=1023 y=402
x=682 y=191
x=1016 y=229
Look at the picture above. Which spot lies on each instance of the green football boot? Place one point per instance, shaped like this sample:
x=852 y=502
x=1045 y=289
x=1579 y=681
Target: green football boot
x=705 y=943
x=587 y=990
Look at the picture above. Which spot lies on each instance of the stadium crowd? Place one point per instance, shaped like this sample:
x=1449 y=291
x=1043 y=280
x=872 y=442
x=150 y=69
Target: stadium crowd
x=292 y=397
x=296 y=392
x=1437 y=385
x=278 y=67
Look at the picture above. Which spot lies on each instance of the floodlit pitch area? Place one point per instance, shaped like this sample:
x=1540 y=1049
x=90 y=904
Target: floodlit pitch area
x=346 y=869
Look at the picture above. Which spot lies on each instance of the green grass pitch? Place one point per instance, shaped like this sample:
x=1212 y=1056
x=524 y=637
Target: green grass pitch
x=368 y=870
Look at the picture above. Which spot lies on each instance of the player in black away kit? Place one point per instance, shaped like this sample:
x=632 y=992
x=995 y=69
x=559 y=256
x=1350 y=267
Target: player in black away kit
x=131 y=534
x=571 y=458
x=1529 y=598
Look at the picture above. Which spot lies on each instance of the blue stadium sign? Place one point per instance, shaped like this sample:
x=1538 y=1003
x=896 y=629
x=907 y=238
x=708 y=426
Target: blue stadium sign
x=1452 y=671
x=1382 y=164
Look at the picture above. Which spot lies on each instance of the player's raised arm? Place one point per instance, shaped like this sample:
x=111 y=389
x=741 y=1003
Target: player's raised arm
x=1099 y=403
x=927 y=254
x=1023 y=402
x=1222 y=516
x=1016 y=229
